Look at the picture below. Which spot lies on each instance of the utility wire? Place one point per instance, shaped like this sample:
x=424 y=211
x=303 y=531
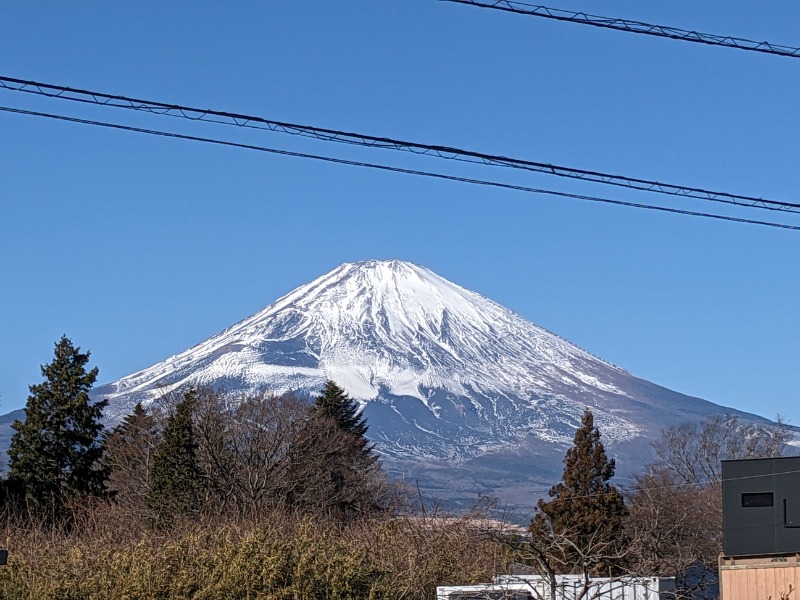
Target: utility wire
x=331 y=135
x=524 y=8
x=393 y=169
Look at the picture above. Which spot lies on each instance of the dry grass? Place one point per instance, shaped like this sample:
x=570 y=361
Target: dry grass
x=109 y=555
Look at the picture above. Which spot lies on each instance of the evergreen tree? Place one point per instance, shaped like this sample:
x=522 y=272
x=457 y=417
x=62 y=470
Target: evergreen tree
x=176 y=480
x=583 y=521
x=352 y=469
x=335 y=404
x=55 y=453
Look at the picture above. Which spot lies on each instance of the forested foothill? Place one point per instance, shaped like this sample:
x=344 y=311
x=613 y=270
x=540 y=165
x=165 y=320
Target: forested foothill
x=205 y=494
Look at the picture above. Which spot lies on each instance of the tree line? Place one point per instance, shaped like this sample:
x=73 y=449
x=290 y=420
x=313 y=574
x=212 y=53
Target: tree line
x=201 y=451
x=206 y=461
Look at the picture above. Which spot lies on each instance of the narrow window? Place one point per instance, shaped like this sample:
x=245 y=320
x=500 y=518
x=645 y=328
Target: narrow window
x=755 y=500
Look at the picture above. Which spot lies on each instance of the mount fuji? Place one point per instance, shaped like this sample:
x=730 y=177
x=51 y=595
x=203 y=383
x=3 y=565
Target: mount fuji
x=461 y=394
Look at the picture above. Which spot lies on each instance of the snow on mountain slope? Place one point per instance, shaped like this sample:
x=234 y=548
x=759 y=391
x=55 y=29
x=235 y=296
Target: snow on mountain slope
x=379 y=327
x=443 y=373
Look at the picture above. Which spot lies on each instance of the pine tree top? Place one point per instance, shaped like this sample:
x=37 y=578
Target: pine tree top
x=584 y=498
x=334 y=403
x=586 y=465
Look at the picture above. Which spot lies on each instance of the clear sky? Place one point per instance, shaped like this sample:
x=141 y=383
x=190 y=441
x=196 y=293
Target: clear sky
x=139 y=247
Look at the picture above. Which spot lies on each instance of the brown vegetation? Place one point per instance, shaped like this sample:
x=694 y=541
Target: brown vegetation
x=109 y=555
x=675 y=507
x=258 y=497
x=210 y=496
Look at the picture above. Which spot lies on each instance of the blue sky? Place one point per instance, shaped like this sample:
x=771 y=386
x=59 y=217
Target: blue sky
x=138 y=247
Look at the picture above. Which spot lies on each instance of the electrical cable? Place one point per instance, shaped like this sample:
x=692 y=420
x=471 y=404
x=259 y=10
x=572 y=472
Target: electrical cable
x=394 y=169
x=331 y=135
x=674 y=33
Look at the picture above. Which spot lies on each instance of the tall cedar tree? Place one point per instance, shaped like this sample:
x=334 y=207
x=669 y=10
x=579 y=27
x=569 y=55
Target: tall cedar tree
x=176 y=480
x=335 y=404
x=585 y=516
x=55 y=453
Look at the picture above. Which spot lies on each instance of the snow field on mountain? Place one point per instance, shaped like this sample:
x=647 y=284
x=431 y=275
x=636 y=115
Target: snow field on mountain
x=443 y=373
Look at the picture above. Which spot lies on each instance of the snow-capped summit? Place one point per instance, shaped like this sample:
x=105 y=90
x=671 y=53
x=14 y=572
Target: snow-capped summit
x=378 y=327
x=443 y=373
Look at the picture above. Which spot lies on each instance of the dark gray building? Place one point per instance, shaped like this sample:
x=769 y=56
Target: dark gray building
x=761 y=506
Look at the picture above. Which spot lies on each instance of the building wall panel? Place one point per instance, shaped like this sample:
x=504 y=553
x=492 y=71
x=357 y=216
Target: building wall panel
x=761 y=506
x=765 y=578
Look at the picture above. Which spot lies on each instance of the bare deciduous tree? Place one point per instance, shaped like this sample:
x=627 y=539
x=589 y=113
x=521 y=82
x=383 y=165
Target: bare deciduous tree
x=245 y=446
x=675 y=530
x=675 y=507
x=694 y=451
x=331 y=473
x=266 y=452
x=129 y=452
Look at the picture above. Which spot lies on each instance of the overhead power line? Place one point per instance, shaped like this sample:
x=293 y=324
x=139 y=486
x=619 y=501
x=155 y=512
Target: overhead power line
x=393 y=169
x=359 y=139
x=710 y=39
